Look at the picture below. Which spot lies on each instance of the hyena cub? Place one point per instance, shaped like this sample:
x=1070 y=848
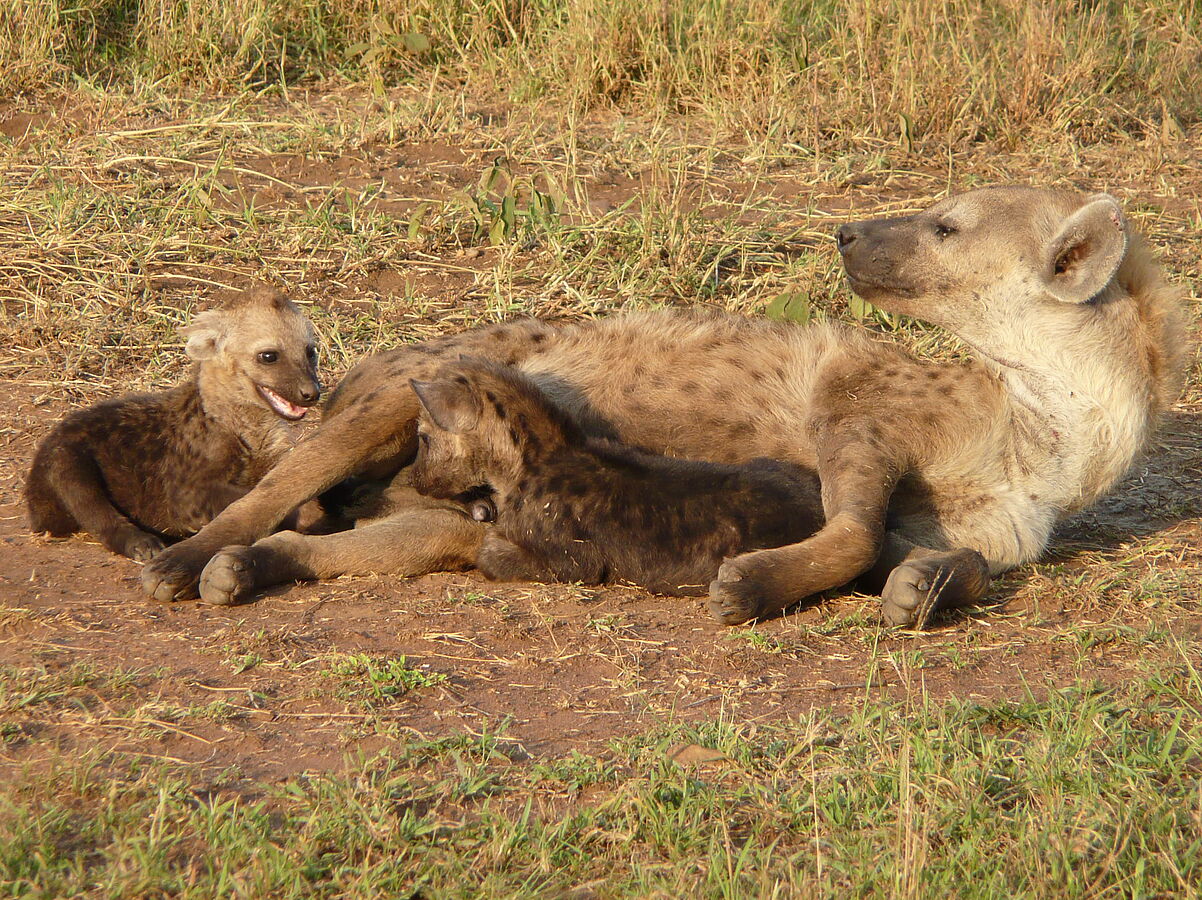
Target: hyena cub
x=140 y=468
x=574 y=507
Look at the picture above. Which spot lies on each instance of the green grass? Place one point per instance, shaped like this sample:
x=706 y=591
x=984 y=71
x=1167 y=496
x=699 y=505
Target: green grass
x=1087 y=792
x=375 y=681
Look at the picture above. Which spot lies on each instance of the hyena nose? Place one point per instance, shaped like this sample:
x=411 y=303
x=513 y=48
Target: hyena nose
x=846 y=236
x=310 y=394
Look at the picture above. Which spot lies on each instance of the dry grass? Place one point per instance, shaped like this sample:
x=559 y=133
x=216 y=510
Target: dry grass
x=817 y=74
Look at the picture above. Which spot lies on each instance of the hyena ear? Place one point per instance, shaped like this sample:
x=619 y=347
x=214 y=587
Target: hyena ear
x=1085 y=254
x=204 y=335
x=450 y=402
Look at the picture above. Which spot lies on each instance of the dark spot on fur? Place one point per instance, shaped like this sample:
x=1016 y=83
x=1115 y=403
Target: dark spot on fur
x=932 y=374
x=538 y=338
x=946 y=390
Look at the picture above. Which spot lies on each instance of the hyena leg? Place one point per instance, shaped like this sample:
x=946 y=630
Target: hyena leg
x=80 y=490
x=369 y=427
x=375 y=430
x=857 y=480
x=915 y=582
x=412 y=542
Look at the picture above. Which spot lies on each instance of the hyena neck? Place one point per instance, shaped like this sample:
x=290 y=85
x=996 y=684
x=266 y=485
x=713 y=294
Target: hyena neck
x=1090 y=384
x=258 y=429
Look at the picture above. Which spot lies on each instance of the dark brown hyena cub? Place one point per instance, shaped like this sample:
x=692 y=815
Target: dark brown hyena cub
x=139 y=468
x=573 y=507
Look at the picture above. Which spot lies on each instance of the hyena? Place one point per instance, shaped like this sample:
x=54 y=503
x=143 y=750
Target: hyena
x=934 y=475
x=568 y=506
x=141 y=468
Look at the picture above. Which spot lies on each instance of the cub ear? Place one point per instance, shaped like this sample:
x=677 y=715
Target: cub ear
x=204 y=335
x=450 y=402
x=1087 y=251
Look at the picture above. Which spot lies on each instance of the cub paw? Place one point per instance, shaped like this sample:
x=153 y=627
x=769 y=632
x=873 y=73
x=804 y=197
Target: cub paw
x=229 y=577
x=142 y=547
x=174 y=572
x=734 y=596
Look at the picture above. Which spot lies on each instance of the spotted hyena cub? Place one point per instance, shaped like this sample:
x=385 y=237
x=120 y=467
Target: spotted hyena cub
x=574 y=507
x=141 y=468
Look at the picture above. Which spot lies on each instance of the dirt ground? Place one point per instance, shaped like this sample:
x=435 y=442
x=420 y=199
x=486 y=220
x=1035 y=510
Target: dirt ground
x=553 y=667
x=566 y=667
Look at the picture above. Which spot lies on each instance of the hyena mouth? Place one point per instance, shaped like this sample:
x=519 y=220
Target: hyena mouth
x=283 y=408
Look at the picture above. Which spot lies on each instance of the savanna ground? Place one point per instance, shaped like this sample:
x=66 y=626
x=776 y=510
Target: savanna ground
x=415 y=170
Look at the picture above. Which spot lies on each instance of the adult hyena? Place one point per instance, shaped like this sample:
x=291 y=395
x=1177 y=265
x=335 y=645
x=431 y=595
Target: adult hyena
x=934 y=475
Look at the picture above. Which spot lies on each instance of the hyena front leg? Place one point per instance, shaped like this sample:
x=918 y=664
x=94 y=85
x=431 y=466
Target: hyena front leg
x=370 y=427
x=858 y=476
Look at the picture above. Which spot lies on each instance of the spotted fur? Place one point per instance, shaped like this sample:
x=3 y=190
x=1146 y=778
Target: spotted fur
x=569 y=506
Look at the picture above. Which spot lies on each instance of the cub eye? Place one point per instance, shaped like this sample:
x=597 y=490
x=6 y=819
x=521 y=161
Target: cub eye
x=267 y=357
x=311 y=352
x=942 y=230
x=423 y=438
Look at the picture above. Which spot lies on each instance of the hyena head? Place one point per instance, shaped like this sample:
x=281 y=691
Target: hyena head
x=974 y=262
x=259 y=350
x=483 y=424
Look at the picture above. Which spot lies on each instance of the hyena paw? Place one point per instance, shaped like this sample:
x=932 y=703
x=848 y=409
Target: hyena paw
x=735 y=596
x=173 y=573
x=229 y=577
x=919 y=587
x=142 y=547
x=912 y=593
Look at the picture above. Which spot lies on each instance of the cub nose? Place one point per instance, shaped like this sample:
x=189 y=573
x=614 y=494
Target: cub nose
x=310 y=394
x=846 y=236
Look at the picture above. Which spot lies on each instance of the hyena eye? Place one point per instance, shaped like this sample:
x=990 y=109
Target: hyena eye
x=267 y=357
x=943 y=230
x=311 y=352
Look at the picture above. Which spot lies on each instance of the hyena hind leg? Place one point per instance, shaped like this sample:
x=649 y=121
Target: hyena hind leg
x=78 y=491
x=915 y=582
x=411 y=542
